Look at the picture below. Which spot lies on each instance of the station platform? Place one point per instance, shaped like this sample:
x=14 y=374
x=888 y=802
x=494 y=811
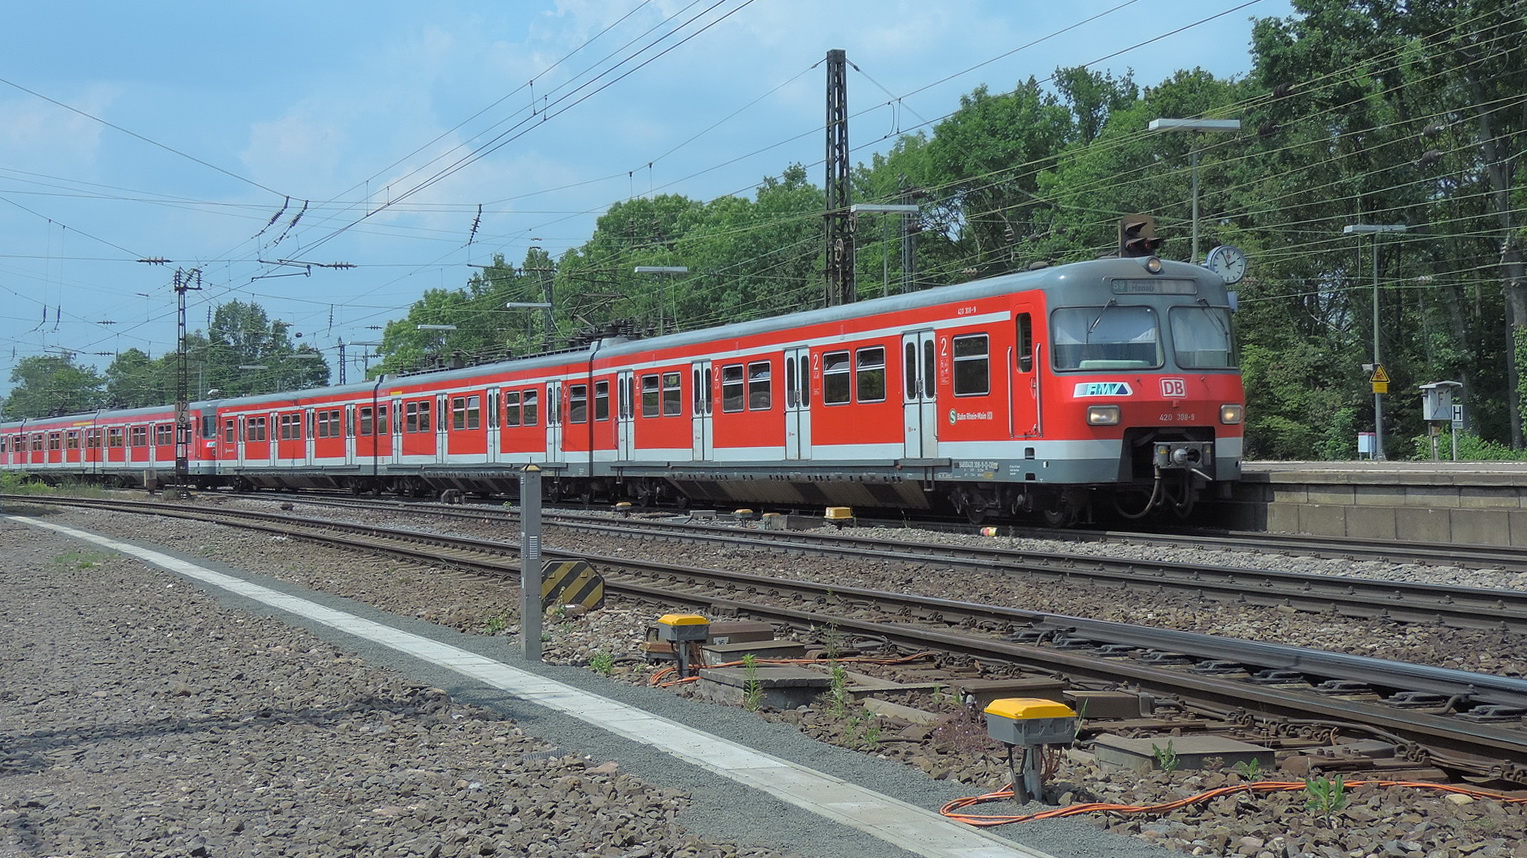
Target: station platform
x=1482 y=503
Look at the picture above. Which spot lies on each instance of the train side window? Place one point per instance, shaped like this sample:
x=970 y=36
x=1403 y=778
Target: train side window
x=869 y=374
x=760 y=385
x=673 y=394
x=652 y=395
x=139 y=437
x=972 y=372
x=532 y=407
x=229 y=432
x=1025 y=342
x=72 y=441
x=511 y=408
x=731 y=388
x=466 y=412
x=930 y=370
x=113 y=437
x=365 y=421
x=381 y=419
x=164 y=435
x=255 y=429
x=602 y=401
x=835 y=374
x=578 y=403
x=909 y=370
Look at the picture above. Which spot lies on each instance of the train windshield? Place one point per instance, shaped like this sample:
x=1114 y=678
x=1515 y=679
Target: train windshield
x=1201 y=337
x=1107 y=337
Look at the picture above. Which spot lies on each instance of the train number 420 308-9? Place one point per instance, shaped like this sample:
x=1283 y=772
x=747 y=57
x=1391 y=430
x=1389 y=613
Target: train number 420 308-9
x=1179 y=417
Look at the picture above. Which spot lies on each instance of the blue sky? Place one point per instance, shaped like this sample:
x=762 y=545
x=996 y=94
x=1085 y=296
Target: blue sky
x=196 y=132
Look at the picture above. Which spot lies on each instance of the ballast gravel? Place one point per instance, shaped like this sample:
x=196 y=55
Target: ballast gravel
x=338 y=758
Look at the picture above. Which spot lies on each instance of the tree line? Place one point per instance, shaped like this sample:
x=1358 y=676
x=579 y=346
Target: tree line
x=1355 y=112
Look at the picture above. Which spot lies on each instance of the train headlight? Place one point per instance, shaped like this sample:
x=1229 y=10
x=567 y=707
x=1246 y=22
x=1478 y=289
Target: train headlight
x=1231 y=412
x=1102 y=415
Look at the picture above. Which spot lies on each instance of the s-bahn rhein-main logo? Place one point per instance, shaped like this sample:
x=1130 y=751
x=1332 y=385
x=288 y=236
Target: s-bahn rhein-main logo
x=957 y=416
x=1103 y=388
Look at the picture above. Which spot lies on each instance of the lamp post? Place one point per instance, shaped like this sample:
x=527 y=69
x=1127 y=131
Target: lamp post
x=1374 y=229
x=890 y=208
x=1222 y=126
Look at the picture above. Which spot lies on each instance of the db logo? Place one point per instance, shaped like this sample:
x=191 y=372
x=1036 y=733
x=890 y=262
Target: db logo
x=1174 y=388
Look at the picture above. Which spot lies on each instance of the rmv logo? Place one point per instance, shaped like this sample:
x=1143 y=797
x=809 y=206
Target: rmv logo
x=1174 y=388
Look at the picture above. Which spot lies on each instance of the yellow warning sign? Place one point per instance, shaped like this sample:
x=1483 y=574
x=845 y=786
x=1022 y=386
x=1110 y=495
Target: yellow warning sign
x=1380 y=376
x=571 y=582
x=1380 y=387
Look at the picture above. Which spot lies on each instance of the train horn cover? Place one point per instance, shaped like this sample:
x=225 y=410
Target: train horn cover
x=1137 y=235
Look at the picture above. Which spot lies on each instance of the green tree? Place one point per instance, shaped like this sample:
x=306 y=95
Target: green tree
x=51 y=385
x=134 y=380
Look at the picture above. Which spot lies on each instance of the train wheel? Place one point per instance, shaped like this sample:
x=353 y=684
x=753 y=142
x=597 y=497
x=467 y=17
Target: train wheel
x=1061 y=516
x=979 y=514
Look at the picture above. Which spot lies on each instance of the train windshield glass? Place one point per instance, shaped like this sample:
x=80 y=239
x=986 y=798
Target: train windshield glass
x=1106 y=337
x=1201 y=337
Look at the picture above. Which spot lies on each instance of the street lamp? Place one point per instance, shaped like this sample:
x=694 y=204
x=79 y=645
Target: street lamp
x=434 y=327
x=1374 y=229
x=1222 y=126
x=887 y=208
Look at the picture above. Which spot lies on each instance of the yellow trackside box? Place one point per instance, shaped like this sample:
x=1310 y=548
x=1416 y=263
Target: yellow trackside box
x=1030 y=721
x=839 y=513
x=677 y=628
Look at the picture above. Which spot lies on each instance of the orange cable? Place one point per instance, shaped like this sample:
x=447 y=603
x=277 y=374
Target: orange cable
x=952 y=809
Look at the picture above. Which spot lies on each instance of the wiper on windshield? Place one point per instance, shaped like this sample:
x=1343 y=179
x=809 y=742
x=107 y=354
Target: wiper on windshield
x=1112 y=302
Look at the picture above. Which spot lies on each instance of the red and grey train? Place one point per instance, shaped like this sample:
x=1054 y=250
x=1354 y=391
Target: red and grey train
x=1034 y=392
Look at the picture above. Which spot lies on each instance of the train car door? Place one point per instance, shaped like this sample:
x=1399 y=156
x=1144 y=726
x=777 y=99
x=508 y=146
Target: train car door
x=1025 y=409
x=442 y=428
x=309 y=436
x=700 y=378
x=490 y=404
x=554 y=421
x=397 y=431
x=919 y=391
x=798 y=402
x=625 y=415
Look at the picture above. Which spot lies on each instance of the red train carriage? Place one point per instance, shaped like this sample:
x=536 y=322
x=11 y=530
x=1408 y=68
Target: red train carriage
x=1033 y=392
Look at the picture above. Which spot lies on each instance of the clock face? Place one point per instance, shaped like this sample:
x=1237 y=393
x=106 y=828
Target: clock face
x=1228 y=261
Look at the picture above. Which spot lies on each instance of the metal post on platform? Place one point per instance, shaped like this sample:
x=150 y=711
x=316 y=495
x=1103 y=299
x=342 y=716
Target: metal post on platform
x=530 y=562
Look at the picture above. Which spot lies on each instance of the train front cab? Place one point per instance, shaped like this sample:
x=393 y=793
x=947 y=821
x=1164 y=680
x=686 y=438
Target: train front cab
x=1143 y=374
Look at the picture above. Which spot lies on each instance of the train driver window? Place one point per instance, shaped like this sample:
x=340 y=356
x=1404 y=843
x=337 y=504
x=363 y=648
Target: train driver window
x=869 y=374
x=1107 y=337
x=731 y=388
x=972 y=375
x=835 y=374
x=1025 y=342
x=760 y=385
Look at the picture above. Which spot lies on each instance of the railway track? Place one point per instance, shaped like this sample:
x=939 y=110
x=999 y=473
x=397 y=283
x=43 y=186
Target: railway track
x=1467 y=723
x=1399 y=601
